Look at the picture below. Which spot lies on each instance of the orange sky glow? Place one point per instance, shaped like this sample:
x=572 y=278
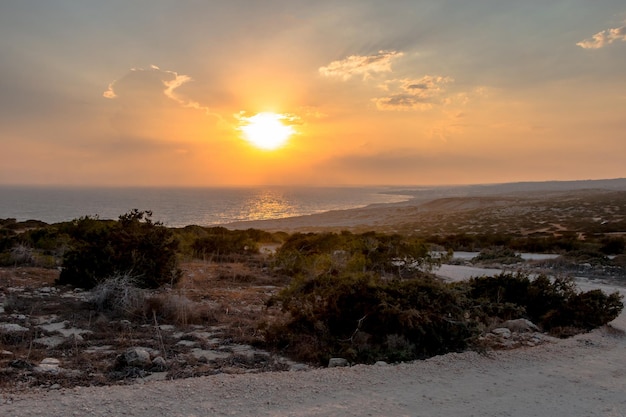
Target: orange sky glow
x=403 y=93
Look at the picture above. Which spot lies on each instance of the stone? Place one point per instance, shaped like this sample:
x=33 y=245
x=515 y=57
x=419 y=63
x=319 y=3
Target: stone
x=100 y=349
x=520 y=326
x=187 y=343
x=337 y=362
x=502 y=332
x=137 y=357
x=50 y=341
x=12 y=328
x=49 y=365
x=299 y=367
x=381 y=363
x=53 y=327
x=208 y=355
x=159 y=364
x=20 y=364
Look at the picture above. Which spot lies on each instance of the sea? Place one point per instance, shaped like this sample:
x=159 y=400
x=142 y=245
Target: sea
x=179 y=207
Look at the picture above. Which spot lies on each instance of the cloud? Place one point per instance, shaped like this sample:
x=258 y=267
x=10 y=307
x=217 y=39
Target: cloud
x=356 y=65
x=413 y=94
x=604 y=38
x=152 y=83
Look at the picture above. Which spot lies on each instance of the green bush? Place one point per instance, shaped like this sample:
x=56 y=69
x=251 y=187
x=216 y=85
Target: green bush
x=133 y=245
x=313 y=254
x=498 y=255
x=547 y=303
x=364 y=318
x=222 y=244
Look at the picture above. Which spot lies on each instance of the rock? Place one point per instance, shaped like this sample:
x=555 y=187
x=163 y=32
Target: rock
x=502 y=332
x=5 y=353
x=49 y=365
x=50 y=341
x=55 y=387
x=12 y=328
x=137 y=357
x=60 y=327
x=381 y=363
x=299 y=367
x=53 y=327
x=100 y=349
x=337 y=362
x=208 y=355
x=159 y=364
x=187 y=343
x=20 y=364
x=520 y=326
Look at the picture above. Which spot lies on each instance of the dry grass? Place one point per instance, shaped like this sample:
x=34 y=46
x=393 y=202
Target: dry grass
x=228 y=297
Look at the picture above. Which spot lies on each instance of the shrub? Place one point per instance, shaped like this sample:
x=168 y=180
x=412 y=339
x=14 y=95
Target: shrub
x=498 y=255
x=394 y=255
x=613 y=245
x=134 y=245
x=119 y=295
x=364 y=318
x=224 y=245
x=548 y=303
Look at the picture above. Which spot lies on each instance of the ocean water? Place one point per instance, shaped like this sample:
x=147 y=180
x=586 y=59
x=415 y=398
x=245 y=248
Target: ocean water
x=177 y=207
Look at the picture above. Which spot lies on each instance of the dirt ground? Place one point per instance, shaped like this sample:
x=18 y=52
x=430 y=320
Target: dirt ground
x=581 y=376
x=207 y=325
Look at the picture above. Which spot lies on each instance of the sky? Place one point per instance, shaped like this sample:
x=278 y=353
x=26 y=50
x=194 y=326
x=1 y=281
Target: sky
x=159 y=92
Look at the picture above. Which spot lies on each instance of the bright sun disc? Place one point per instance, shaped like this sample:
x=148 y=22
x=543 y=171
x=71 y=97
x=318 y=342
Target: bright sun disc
x=266 y=130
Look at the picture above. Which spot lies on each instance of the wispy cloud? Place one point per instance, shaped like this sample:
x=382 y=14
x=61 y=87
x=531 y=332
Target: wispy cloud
x=413 y=94
x=604 y=38
x=357 y=65
x=170 y=82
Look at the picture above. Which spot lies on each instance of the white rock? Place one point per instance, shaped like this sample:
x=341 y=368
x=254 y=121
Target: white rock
x=49 y=365
x=520 y=325
x=502 y=332
x=50 y=341
x=336 y=362
x=138 y=357
x=12 y=328
x=159 y=363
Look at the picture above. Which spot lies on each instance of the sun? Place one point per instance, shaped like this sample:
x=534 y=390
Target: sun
x=266 y=130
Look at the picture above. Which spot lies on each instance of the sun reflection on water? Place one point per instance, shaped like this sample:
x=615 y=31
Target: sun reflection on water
x=268 y=204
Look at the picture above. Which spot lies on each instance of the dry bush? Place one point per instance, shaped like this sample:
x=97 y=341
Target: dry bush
x=173 y=309
x=118 y=295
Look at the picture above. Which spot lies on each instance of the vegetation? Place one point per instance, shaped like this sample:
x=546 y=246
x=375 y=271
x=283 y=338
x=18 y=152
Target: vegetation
x=363 y=296
x=133 y=245
x=314 y=254
x=375 y=311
